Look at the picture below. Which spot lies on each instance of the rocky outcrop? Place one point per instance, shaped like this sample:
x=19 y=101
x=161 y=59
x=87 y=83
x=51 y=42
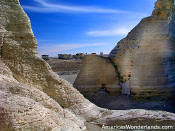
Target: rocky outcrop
x=145 y=58
x=32 y=97
x=30 y=91
x=97 y=74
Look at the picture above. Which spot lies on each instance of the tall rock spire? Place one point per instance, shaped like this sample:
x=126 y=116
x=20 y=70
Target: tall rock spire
x=146 y=57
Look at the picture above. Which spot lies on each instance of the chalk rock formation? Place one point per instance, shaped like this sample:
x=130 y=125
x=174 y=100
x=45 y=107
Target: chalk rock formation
x=29 y=90
x=32 y=97
x=97 y=74
x=143 y=61
x=146 y=57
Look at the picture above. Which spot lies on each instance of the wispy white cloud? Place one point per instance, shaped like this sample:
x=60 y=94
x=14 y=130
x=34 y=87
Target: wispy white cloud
x=54 y=49
x=46 y=7
x=120 y=31
x=118 y=28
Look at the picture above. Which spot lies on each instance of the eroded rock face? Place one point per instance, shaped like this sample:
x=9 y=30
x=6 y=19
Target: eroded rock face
x=24 y=78
x=146 y=57
x=143 y=61
x=97 y=74
x=32 y=96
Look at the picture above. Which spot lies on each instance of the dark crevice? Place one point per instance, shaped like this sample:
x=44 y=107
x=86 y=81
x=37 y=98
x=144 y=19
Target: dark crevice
x=116 y=71
x=1 y=44
x=121 y=81
x=2 y=31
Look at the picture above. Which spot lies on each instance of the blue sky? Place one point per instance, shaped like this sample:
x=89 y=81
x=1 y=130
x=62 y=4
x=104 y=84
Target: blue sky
x=73 y=26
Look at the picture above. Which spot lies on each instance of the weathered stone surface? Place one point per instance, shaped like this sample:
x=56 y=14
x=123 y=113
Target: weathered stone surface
x=25 y=77
x=163 y=9
x=146 y=57
x=143 y=61
x=19 y=53
x=97 y=74
x=32 y=97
